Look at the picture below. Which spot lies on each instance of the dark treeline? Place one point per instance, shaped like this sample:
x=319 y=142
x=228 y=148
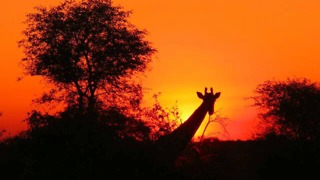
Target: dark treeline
x=253 y=159
x=74 y=145
x=75 y=148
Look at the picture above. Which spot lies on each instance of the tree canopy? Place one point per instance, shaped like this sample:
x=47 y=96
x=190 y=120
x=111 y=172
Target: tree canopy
x=290 y=108
x=88 y=50
x=92 y=55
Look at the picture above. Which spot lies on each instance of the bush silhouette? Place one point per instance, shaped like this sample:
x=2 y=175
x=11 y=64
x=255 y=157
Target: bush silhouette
x=290 y=108
x=79 y=146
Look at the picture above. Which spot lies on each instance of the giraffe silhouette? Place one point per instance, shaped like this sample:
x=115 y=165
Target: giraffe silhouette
x=168 y=147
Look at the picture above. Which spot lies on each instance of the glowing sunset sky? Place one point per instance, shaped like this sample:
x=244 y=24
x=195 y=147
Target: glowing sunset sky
x=230 y=45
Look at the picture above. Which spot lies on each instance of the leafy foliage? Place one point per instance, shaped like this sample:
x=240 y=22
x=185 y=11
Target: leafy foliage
x=144 y=124
x=91 y=54
x=87 y=49
x=290 y=108
x=121 y=127
x=161 y=120
x=73 y=145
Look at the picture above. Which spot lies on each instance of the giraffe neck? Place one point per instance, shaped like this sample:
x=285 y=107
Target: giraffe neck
x=188 y=129
x=171 y=145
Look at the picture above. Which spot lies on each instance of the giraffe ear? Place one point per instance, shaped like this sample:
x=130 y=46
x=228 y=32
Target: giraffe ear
x=200 y=95
x=217 y=95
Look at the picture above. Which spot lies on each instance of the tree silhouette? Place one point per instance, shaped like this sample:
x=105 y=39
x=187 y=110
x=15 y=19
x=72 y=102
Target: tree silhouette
x=161 y=120
x=217 y=119
x=88 y=50
x=290 y=108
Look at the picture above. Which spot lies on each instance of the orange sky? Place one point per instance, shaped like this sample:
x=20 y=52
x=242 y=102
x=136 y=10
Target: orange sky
x=230 y=46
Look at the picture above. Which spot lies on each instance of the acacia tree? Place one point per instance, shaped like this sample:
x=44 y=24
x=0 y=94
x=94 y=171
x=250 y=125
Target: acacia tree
x=88 y=50
x=290 y=108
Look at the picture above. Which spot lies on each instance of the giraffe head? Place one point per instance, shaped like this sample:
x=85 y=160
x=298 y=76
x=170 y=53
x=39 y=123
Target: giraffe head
x=209 y=99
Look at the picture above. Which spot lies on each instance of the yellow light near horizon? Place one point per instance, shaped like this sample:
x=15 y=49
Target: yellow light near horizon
x=187 y=107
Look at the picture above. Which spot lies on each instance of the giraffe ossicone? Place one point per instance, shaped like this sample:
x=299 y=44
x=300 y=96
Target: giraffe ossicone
x=209 y=99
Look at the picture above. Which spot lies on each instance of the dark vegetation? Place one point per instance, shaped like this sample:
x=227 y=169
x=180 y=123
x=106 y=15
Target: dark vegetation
x=90 y=53
x=289 y=108
x=75 y=148
x=253 y=159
